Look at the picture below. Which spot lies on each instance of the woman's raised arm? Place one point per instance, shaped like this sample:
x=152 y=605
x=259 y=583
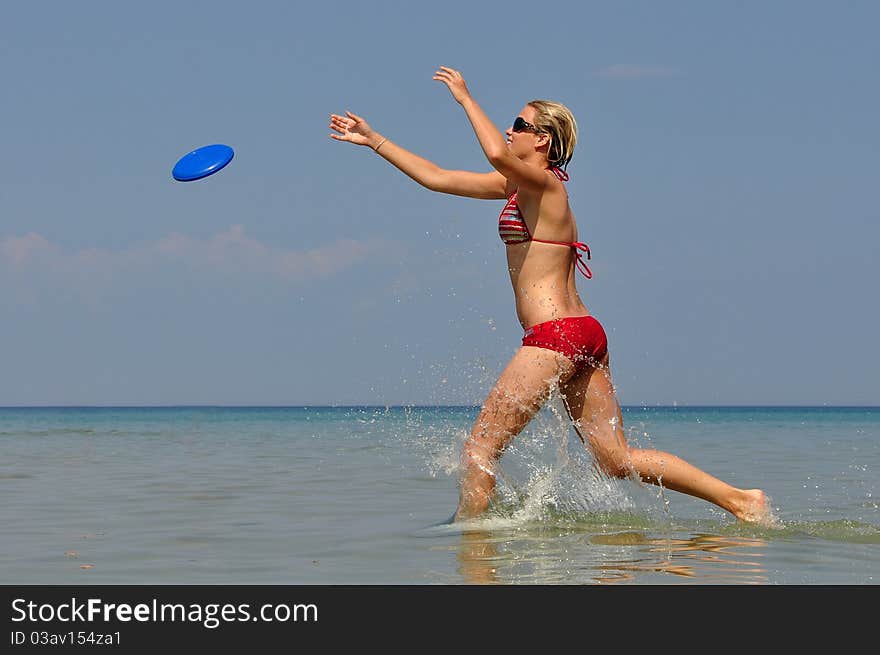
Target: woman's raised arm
x=491 y=140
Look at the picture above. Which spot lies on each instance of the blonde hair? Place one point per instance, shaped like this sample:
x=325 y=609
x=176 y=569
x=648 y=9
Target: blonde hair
x=557 y=121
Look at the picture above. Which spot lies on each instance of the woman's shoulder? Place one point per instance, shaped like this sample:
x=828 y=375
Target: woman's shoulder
x=555 y=180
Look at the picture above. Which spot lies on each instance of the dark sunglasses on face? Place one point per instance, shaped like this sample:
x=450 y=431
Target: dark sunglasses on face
x=521 y=125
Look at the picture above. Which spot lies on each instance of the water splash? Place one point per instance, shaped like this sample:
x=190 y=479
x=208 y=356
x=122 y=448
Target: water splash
x=546 y=475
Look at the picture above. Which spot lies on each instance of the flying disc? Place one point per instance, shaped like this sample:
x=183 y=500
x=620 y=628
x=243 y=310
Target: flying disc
x=202 y=162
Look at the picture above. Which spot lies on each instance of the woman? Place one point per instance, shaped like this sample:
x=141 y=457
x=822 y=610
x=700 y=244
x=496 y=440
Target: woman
x=563 y=344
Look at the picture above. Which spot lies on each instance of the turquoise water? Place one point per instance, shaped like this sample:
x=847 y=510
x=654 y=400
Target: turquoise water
x=361 y=495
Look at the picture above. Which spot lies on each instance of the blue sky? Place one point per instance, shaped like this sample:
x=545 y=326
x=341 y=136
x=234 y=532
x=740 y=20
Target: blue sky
x=725 y=180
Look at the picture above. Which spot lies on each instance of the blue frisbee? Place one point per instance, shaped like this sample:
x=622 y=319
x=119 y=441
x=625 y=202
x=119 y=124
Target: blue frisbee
x=202 y=162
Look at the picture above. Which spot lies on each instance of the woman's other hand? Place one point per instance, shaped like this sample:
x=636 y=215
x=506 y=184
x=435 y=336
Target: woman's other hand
x=454 y=82
x=354 y=129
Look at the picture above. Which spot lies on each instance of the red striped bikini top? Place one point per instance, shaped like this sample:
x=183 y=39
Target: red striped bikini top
x=512 y=229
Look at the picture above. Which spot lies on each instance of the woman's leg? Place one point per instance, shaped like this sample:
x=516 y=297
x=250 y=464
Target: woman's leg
x=519 y=393
x=593 y=406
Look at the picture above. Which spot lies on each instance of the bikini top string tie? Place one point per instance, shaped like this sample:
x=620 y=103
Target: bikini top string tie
x=581 y=251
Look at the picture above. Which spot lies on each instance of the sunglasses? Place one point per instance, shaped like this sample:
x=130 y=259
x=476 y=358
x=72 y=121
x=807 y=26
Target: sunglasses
x=521 y=125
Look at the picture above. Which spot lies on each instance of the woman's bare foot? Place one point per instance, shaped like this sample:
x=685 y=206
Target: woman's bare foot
x=754 y=507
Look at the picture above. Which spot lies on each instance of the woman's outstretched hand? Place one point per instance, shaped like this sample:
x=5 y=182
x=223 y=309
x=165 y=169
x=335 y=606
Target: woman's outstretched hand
x=454 y=81
x=354 y=129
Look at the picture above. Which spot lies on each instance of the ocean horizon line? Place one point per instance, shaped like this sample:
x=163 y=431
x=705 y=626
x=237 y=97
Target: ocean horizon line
x=383 y=406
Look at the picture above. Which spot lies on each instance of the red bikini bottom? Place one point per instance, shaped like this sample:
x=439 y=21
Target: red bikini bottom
x=580 y=338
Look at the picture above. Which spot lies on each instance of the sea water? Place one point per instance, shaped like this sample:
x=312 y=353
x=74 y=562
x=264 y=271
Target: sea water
x=362 y=495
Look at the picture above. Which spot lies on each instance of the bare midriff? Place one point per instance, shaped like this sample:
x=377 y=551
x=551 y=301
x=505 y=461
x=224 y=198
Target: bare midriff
x=543 y=280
